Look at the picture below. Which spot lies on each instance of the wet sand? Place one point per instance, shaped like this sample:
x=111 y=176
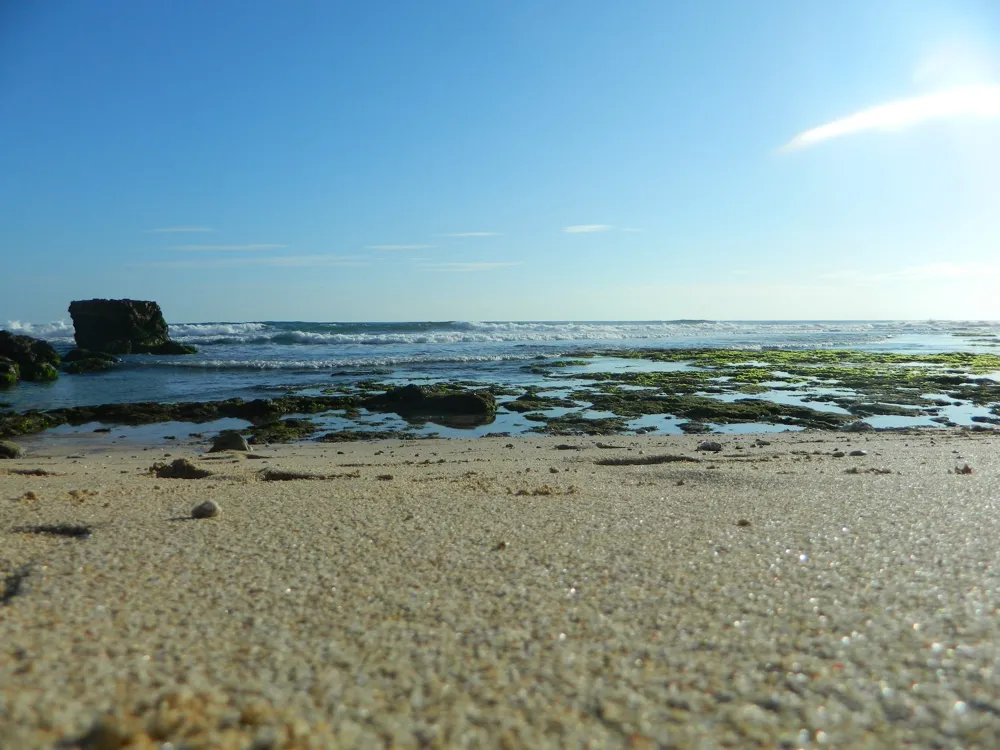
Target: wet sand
x=506 y=593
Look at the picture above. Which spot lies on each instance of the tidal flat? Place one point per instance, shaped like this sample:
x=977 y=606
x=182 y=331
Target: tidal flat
x=596 y=392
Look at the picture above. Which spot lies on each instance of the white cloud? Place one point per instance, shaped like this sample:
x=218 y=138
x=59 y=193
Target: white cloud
x=279 y=261
x=472 y=234
x=587 y=228
x=399 y=247
x=162 y=230
x=227 y=248
x=470 y=266
x=976 y=101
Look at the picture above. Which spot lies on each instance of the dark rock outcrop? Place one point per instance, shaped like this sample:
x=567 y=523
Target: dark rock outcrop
x=450 y=407
x=35 y=359
x=122 y=326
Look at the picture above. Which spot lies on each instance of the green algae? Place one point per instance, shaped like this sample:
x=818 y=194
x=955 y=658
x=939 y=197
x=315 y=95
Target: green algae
x=10 y=373
x=575 y=423
x=350 y=436
x=281 y=431
x=531 y=401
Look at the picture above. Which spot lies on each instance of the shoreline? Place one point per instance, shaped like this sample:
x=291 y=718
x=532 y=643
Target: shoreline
x=529 y=592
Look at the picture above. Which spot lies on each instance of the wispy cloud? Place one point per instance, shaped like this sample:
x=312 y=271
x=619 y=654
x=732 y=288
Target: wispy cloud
x=166 y=230
x=226 y=248
x=587 y=228
x=470 y=266
x=399 y=247
x=278 y=261
x=975 y=101
x=471 y=234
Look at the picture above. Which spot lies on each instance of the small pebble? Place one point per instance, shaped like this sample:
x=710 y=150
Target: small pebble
x=858 y=453
x=839 y=454
x=208 y=509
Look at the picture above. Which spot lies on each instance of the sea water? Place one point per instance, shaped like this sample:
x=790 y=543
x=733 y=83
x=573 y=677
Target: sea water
x=266 y=359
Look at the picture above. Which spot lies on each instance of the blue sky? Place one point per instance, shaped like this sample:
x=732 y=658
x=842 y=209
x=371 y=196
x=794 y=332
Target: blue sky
x=643 y=159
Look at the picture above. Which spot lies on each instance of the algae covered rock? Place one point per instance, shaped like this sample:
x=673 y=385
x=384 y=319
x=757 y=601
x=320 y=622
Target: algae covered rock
x=34 y=359
x=10 y=450
x=80 y=361
x=10 y=373
x=40 y=372
x=122 y=326
x=229 y=440
x=436 y=404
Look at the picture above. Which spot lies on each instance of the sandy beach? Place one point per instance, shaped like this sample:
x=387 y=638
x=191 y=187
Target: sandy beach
x=531 y=592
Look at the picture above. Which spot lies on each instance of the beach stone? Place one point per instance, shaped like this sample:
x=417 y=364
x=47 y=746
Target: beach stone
x=229 y=440
x=10 y=450
x=858 y=453
x=859 y=426
x=122 y=326
x=207 y=509
x=709 y=445
x=838 y=454
x=180 y=468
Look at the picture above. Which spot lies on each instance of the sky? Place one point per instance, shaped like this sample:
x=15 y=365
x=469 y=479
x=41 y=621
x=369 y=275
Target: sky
x=501 y=159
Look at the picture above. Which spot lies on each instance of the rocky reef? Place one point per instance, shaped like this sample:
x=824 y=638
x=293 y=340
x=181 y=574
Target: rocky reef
x=441 y=404
x=122 y=326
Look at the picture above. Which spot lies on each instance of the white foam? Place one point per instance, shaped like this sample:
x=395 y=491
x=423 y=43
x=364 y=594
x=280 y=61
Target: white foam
x=58 y=330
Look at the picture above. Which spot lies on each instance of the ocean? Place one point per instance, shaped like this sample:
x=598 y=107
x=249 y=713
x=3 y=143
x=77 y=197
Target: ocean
x=267 y=358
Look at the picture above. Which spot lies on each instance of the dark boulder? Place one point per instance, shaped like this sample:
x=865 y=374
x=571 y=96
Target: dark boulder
x=229 y=440
x=77 y=355
x=35 y=359
x=79 y=361
x=10 y=450
x=83 y=366
x=122 y=326
x=443 y=406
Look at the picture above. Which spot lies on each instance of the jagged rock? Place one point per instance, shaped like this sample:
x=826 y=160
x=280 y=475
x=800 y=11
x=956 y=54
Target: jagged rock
x=10 y=450
x=859 y=426
x=709 y=445
x=35 y=359
x=229 y=440
x=477 y=407
x=122 y=326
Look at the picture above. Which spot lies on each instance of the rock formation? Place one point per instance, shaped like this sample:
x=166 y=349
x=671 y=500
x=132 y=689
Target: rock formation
x=122 y=326
x=26 y=358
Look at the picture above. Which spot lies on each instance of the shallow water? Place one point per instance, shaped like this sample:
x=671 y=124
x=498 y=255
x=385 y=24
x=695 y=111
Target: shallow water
x=260 y=360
